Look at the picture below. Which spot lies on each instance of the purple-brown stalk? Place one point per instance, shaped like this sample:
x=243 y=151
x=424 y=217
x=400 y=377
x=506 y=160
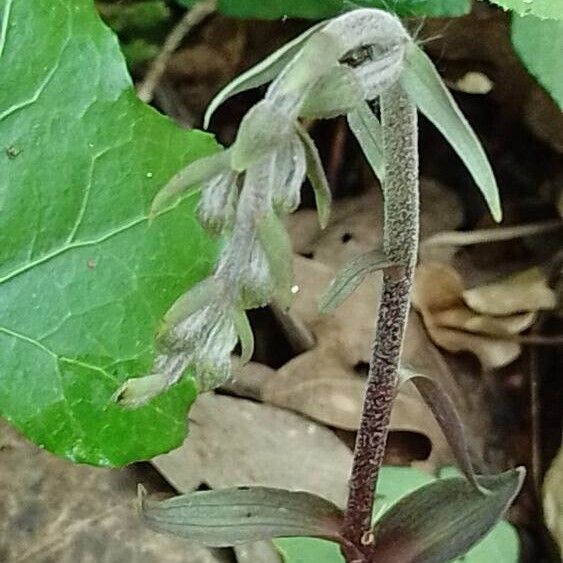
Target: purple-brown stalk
x=400 y=187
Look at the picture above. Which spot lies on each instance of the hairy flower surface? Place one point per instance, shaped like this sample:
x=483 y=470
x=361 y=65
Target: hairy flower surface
x=352 y=58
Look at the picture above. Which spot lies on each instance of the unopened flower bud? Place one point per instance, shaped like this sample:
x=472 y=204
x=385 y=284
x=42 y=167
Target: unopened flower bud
x=289 y=174
x=217 y=206
x=216 y=338
x=256 y=283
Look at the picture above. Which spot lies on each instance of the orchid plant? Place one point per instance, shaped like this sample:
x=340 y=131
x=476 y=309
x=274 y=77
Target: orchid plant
x=339 y=67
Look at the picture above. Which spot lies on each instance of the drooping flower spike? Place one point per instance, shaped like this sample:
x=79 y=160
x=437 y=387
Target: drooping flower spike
x=332 y=69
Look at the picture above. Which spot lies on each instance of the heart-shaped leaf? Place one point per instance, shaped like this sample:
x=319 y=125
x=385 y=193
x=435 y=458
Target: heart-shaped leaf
x=552 y=9
x=539 y=44
x=426 y=88
x=84 y=277
x=229 y=517
x=443 y=519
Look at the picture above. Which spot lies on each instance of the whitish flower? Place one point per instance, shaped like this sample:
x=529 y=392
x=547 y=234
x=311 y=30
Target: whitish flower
x=217 y=207
x=289 y=174
x=200 y=345
x=256 y=282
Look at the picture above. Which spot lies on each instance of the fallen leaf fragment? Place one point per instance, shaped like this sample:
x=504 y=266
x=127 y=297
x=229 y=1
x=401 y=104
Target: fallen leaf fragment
x=484 y=320
x=319 y=385
x=523 y=291
x=55 y=511
x=236 y=442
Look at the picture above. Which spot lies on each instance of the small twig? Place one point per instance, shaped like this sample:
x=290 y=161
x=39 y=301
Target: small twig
x=535 y=413
x=191 y=19
x=540 y=340
x=466 y=238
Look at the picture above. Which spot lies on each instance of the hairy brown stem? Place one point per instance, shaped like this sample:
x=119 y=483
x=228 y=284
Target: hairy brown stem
x=399 y=120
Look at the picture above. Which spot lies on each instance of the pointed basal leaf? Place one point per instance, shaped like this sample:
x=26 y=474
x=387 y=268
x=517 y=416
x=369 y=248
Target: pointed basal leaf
x=394 y=482
x=191 y=176
x=84 y=278
x=446 y=415
x=426 y=88
x=277 y=246
x=351 y=276
x=336 y=93
x=317 y=177
x=229 y=517
x=260 y=74
x=443 y=519
x=245 y=335
x=368 y=132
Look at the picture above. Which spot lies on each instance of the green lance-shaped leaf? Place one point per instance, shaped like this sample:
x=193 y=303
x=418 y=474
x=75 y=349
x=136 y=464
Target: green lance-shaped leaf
x=336 y=93
x=277 y=246
x=195 y=173
x=234 y=516
x=260 y=74
x=351 y=276
x=426 y=88
x=245 y=335
x=442 y=520
x=446 y=415
x=317 y=177
x=368 y=132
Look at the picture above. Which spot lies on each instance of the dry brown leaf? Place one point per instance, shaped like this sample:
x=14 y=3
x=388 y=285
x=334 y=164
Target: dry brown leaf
x=52 y=510
x=465 y=319
x=320 y=385
x=523 y=291
x=326 y=383
x=438 y=294
x=248 y=380
x=236 y=442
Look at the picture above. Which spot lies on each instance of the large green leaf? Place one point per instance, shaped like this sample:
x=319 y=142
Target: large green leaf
x=501 y=545
x=539 y=44
x=541 y=8
x=316 y=9
x=84 y=277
